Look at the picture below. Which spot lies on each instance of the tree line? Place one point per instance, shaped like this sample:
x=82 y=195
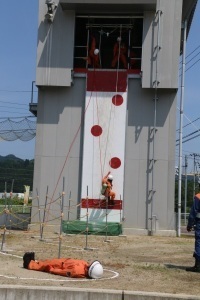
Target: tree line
x=192 y=188
x=15 y=173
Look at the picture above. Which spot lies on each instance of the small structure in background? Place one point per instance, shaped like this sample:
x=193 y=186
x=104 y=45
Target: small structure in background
x=26 y=194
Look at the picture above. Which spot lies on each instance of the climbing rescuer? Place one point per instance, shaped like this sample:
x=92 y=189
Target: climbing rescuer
x=93 y=58
x=119 y=53
x=68 y=267
x=194 y=222
x=107 y=183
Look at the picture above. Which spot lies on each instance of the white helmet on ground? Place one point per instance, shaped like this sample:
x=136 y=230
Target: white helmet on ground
x=95 y=270
x=110 y=177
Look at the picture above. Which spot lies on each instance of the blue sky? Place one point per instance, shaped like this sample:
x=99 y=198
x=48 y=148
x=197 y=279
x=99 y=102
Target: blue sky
x=18 y=35
x=191 y=100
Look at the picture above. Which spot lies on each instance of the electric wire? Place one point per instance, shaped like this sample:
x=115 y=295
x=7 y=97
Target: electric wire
x=7 y=102
x=192 y=65
x=191 y=53
x=191 y=122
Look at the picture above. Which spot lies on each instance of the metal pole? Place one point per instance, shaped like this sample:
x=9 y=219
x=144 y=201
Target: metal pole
x=39 y=213
x=5 y=194
x=32 y=91
x=106 y=237
x=180 y=130
x=194 y=179
x=3 y=238
x=87 y=226
x=68 y=214
x=10 y=205
x=44 y=212
x=185 y=209
x=61 y=218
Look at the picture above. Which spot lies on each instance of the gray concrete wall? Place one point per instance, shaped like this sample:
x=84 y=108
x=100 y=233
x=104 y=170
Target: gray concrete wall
x=50 y=293
x=55 y=47
x=59 y=136
x=59 y=116
x=138 y=173
x=162 y=64
x=60 y=113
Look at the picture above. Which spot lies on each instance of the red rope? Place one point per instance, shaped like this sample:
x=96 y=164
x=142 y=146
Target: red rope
x=67 y=156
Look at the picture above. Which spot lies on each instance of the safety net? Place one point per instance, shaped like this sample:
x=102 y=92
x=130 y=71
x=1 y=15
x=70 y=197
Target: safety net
x=95 y=228
x=23 y=129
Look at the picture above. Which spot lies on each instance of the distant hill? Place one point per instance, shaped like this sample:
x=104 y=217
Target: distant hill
x=17 y=172
x=10 y=157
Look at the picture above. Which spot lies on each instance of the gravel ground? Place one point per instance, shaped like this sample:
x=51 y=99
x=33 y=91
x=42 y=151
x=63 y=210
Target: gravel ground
x=135 y=263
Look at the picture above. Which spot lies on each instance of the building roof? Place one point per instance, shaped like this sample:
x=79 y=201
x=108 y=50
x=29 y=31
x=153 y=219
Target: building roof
x=188 y=10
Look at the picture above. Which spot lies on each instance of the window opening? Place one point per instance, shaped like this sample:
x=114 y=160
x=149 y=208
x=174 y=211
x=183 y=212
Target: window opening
x=105 y=36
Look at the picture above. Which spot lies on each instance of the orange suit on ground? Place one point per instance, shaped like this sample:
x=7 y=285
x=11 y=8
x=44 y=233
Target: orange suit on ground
x=69 y=267
x=108 y=190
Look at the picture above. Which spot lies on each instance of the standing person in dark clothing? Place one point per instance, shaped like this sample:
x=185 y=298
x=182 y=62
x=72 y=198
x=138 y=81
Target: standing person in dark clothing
x=194 y=220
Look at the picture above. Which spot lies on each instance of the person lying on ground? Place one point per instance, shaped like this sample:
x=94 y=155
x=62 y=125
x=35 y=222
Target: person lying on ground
x=69 y=267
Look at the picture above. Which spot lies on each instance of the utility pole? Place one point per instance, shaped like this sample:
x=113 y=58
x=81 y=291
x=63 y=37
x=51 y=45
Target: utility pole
x=184 y=26
x=185 y=206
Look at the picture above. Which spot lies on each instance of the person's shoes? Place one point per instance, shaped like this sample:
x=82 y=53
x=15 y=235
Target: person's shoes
x=28 y=256
x=32 y=255
x=193 y=269
x=196 y=267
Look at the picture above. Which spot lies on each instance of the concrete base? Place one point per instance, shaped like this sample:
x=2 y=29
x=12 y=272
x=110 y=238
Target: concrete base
x=55 y=228
x=11 y=292
x=137 y=231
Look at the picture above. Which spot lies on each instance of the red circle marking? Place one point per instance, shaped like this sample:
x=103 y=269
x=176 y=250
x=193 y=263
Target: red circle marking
x=96 y=130
x=115 y=163
x=117 y=100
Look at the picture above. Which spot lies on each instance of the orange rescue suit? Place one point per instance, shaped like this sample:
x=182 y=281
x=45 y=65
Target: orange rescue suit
x=108 y=190
x=69 y=267
x=93 y=58
x=119 y=52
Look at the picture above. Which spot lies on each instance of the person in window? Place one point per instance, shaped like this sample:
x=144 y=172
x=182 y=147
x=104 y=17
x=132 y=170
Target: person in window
x=93 y=55
x=119 y=54
x=69 y=267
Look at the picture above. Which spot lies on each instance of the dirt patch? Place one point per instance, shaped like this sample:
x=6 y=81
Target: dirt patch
x=135 y=263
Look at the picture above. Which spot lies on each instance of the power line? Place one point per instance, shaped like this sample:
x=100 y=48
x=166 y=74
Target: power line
x=189 y=134
x=11 y=91
x=12 y=103
x=191 y=122
x=189 y=139
x=190 y=53
x=192 y=58
x=192 y=138
x=25 y=117
x=192 y=65
x=11 y=112
x=13 y=107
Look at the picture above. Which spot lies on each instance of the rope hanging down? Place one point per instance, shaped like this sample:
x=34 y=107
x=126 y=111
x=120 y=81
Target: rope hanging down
x=24 y=130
